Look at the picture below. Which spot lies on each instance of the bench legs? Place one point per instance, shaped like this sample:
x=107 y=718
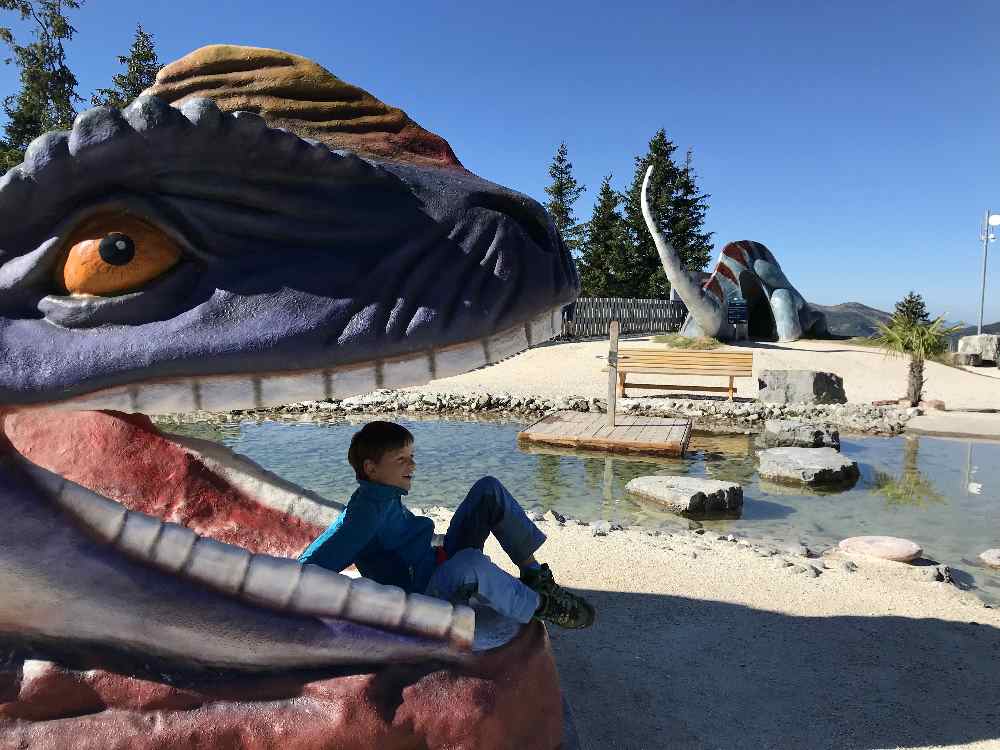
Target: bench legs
x=730 y=388
x=621 y=384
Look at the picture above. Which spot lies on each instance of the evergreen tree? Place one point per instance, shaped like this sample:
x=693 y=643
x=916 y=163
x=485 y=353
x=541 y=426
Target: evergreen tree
x=678 y=210
x=48 y=87
x=563 y=193
x=688 y=219
x=604 y=260
x=141 y=66
x=912 y=309
x=646 y=278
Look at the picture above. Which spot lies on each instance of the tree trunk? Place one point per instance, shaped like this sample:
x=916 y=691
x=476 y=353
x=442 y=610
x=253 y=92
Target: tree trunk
x=916 y=383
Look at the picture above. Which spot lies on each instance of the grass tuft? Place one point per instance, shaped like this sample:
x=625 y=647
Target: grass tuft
x=676 y=341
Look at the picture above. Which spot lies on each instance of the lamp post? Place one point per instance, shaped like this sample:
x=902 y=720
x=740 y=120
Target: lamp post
x=991 y=220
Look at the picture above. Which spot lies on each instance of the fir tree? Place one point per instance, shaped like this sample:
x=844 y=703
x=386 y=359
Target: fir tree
x=563 y=193
x=912 y=309
x=48 y=95
x=688 y=219
x=604 y=261
x=678 y=210
x=141 y=66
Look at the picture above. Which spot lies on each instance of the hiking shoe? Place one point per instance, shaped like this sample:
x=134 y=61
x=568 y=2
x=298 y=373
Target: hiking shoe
x=565 y=610
x=541 y=580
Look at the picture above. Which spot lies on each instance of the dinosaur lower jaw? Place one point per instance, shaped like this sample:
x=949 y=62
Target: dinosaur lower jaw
x=231 y=392
x=79 y=573
x=276 y=583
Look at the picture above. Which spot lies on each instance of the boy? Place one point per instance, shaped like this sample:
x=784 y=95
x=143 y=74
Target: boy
x=392 y=546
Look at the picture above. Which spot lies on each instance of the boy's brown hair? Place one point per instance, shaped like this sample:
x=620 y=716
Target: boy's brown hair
x=373 y=441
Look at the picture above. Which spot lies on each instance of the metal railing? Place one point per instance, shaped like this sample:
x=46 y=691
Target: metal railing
x=591 y=316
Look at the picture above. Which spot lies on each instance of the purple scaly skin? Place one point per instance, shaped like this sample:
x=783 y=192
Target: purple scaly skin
x=304 y=273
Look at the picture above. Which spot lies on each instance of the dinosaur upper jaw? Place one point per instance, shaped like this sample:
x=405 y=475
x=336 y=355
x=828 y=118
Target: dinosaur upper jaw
x=229 y=392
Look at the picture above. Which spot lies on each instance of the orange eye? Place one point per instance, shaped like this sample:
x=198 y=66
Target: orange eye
x=111 y=254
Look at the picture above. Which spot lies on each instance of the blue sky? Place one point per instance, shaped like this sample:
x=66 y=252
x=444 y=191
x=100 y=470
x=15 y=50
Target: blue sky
x=859 y=141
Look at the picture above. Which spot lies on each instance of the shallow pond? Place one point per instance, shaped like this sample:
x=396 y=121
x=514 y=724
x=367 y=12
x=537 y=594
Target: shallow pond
x=944 y=494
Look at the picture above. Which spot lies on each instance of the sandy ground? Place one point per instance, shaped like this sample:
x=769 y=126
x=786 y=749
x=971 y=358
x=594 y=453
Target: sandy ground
x=706 y=644
x=564 y=369
x=701 y=643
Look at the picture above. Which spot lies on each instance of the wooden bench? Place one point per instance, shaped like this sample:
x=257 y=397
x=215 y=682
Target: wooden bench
x=655 y=361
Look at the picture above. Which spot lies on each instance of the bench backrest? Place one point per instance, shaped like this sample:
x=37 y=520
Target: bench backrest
x=683 y=362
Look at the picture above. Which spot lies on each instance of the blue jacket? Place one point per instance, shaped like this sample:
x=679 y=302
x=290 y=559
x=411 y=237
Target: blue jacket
x=381 y=536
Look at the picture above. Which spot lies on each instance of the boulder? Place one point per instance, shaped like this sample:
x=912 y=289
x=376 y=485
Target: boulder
x=812 y=466
x=688 y=494
x=986 y=345
x=779 y=433
x=800 y=387
x=966 y=359
x=991 y=557
x=885 y=547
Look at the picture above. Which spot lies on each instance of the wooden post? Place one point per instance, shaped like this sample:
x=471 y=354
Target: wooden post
x=612 y=374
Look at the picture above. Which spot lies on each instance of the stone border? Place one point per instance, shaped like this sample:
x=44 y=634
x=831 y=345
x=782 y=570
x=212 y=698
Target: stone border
x=706 y=414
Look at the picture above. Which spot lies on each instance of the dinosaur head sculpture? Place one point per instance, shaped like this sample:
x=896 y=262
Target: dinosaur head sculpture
x=746 y=270
x=178 y=258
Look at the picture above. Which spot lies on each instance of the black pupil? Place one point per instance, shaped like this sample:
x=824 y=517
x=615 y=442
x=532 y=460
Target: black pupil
x=117 y=249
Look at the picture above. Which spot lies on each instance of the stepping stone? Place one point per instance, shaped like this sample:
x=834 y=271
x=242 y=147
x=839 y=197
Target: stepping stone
x=885 y=547
x=779 y=433
x=688 y=494
x=812 y=466
x=991 y=557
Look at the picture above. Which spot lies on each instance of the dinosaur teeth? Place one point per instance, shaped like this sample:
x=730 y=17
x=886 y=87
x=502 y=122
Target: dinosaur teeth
x=218 y=393
x=217 y=565
x=263 y=580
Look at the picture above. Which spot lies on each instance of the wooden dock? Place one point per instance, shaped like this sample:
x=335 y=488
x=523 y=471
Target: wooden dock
x=659 y=436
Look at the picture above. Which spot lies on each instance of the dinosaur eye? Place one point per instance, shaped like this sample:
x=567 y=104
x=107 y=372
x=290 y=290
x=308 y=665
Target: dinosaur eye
x=111 y=254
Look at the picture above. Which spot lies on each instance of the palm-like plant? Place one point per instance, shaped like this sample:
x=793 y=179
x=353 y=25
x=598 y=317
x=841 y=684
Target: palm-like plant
x=904 y=336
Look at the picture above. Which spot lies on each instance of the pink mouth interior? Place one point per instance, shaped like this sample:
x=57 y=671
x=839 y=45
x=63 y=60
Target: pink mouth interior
x=125 y=458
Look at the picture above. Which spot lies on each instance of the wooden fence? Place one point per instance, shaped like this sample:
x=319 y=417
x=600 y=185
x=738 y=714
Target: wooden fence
x=593 y=315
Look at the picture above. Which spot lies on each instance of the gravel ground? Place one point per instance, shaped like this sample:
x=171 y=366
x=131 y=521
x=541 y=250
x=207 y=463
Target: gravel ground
x=702 y=643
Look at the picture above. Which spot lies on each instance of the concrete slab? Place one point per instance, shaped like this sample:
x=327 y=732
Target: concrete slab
x=978 y=425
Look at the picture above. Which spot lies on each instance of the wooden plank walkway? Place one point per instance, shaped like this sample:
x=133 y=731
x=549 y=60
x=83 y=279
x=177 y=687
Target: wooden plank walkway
x=662 y=436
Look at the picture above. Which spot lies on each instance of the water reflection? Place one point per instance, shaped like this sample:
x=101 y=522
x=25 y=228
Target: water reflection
x=911 y=487
x=941 y=493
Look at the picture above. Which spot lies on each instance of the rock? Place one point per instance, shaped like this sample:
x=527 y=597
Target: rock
x=884 y=547
x=799 y=550
x=966 y=359
x=555 y=517
x=791 y=433
x=812 y=466
x=800 y=387
x=849 y=566
x=688 y=494
x=986 y=345
x=601 y=528
x=991 y=557
x=537 y=516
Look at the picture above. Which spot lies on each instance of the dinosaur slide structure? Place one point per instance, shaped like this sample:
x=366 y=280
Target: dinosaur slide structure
x=746 y=271
x=252 y=231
